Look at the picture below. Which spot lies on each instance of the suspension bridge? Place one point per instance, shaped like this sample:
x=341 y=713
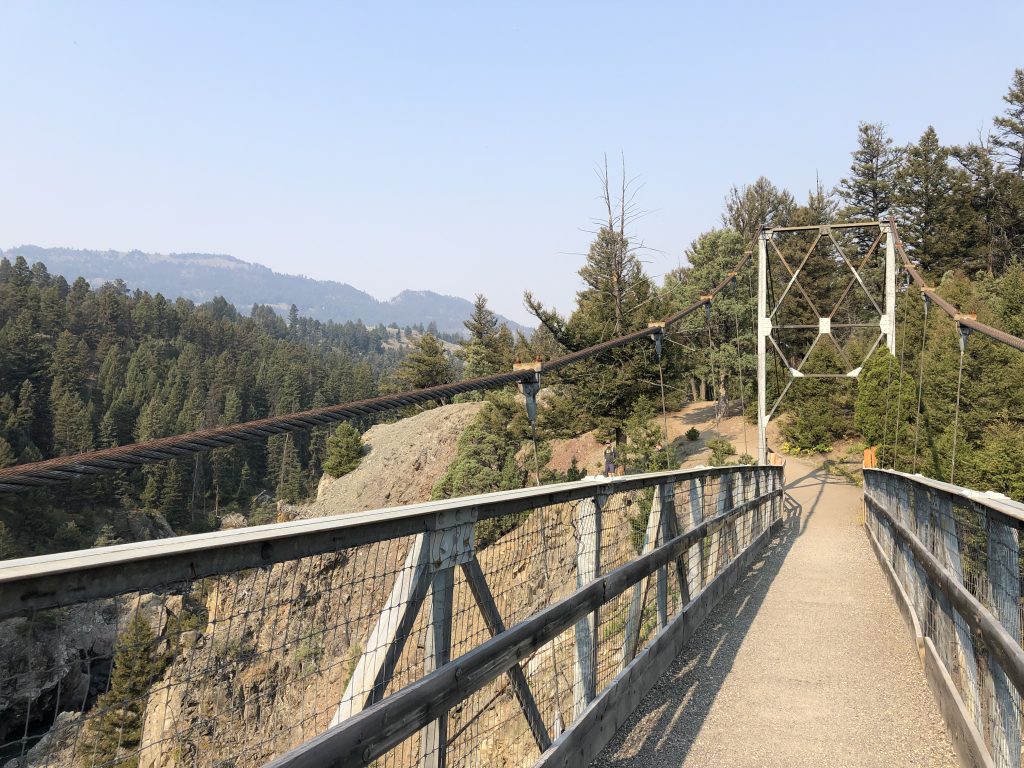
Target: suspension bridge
x=762 y=614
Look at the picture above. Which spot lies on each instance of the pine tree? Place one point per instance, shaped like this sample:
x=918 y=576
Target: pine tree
x=426 y=366
x=488 y=347
x=72 y=425
x=869 y=192
x=933 y=205
x=112 y=737
x=344 y=450
x=1009 y=137
x=618 y=297
x=748 y=208
x=644 y=450
x=7 y=456
x=723 y=340
x=886 y=402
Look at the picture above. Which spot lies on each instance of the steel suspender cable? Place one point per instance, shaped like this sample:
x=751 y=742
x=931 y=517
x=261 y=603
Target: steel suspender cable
x=664 y=414
x=899 y=389
x=711 y=359
x=536 y=460
x=743 y=401
x=920 y=382
x=956 y=413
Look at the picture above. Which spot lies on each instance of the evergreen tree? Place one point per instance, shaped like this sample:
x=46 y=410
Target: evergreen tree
x=72 y=424
x=644 y=450
x=933 y=205
x=723 y=340
x=869 y=192
x=488 y=348
x=1009 y=136
x=618 y=297
x=427 y=365
x=748 y=208
x=344 y=450
x=7 y=455
x=487 y=458
x=113 y=737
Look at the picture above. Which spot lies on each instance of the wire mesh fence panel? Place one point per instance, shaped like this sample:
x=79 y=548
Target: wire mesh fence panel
x=973 y=540
x=244 y=665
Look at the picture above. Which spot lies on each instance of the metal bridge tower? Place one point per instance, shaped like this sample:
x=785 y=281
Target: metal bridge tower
x=872 y=280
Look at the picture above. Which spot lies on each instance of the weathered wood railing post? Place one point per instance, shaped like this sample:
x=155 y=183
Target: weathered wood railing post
x=1004 y=580
x=451 y=544
x=669 y=530
x=386 y=640
x=907 y=570
x=921 y=525
x=962 y=646
x=717 y=540
x=695 y=558
x=753 y=492
x=588 y=566
x=634 y=619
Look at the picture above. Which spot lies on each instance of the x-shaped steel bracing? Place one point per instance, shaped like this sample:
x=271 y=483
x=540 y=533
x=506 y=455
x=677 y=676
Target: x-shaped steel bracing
x=767 y=326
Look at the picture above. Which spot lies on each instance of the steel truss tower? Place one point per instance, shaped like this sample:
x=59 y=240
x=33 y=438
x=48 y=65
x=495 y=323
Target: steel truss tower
x=881 y=309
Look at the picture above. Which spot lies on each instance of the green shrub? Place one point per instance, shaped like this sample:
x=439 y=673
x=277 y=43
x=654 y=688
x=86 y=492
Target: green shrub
x=344 y=450
x=721 y=450
x=692 y=434
x=310 y=649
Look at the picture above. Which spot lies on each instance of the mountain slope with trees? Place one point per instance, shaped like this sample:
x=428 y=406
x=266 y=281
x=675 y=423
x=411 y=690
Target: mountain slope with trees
x=202 y=277
x=83 y=369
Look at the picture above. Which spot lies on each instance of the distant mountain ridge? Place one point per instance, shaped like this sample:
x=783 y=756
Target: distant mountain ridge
x=203 y=276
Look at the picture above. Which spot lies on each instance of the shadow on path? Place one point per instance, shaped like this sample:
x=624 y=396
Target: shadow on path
x=675 y=709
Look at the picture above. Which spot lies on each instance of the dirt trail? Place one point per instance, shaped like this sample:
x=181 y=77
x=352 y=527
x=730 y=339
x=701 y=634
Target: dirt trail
x=807 y=663
x=589 y=453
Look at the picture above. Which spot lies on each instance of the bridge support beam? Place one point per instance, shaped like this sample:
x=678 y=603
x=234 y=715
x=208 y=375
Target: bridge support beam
x=654 y=536
x=764 y=328
x=888 y=321
x=588 y=567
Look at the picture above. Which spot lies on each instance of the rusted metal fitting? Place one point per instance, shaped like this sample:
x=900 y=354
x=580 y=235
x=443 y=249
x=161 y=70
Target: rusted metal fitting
x=533 y=365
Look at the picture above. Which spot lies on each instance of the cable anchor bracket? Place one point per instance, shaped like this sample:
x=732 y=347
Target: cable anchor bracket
x=530 y=387
x=657 y=330
x=964 y=330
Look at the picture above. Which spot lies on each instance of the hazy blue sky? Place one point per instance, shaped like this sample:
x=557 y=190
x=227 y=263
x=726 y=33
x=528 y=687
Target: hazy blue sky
x=452 y=146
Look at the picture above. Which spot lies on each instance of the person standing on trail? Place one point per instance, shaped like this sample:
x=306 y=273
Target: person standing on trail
x=609 y=459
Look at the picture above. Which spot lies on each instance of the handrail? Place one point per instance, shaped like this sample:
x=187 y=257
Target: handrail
x=953 y=557
x=368 y=735
x=46 y=581
x=978 y=617
x=996 y=502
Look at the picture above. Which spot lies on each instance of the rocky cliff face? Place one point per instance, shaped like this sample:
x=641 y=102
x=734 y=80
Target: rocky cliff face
x=59 y=660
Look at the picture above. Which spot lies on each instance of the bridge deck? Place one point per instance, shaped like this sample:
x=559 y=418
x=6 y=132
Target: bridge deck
x=808 y=663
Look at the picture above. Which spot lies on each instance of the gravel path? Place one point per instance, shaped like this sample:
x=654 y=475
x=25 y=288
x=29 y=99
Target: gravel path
x=807 y=663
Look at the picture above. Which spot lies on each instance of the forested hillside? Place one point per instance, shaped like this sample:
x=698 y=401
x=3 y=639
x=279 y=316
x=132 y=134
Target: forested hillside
x=202 y=277
x=83 y=369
